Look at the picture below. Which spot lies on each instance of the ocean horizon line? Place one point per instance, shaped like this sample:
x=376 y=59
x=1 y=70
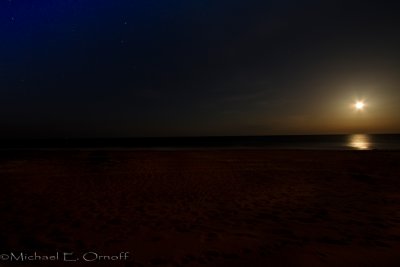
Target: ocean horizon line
x=193 y=136
x=387 y=141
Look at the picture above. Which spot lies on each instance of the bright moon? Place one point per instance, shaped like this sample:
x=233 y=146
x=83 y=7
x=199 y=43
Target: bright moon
x=359 y=105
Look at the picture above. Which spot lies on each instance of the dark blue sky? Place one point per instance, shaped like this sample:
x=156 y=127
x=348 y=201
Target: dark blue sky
x=74 y=68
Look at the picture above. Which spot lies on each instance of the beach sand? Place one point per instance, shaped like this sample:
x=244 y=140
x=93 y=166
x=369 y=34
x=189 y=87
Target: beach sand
x=203 y=208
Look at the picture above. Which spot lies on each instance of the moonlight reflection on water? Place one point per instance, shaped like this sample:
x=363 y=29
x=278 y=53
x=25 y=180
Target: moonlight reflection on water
x=360 y=141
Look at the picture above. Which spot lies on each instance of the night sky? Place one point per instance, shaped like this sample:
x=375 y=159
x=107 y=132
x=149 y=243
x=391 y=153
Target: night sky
x=124 y=68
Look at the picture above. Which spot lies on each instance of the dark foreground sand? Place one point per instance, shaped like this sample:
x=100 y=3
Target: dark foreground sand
x=203 y=208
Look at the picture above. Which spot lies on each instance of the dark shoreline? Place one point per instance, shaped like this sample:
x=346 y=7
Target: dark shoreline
x=204 y=208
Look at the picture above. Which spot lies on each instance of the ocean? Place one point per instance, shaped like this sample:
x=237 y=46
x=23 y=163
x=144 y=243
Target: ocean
x=312 y=142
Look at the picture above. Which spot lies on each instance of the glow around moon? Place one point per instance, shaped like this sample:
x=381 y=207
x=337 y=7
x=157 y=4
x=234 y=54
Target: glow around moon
x=359 y=105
